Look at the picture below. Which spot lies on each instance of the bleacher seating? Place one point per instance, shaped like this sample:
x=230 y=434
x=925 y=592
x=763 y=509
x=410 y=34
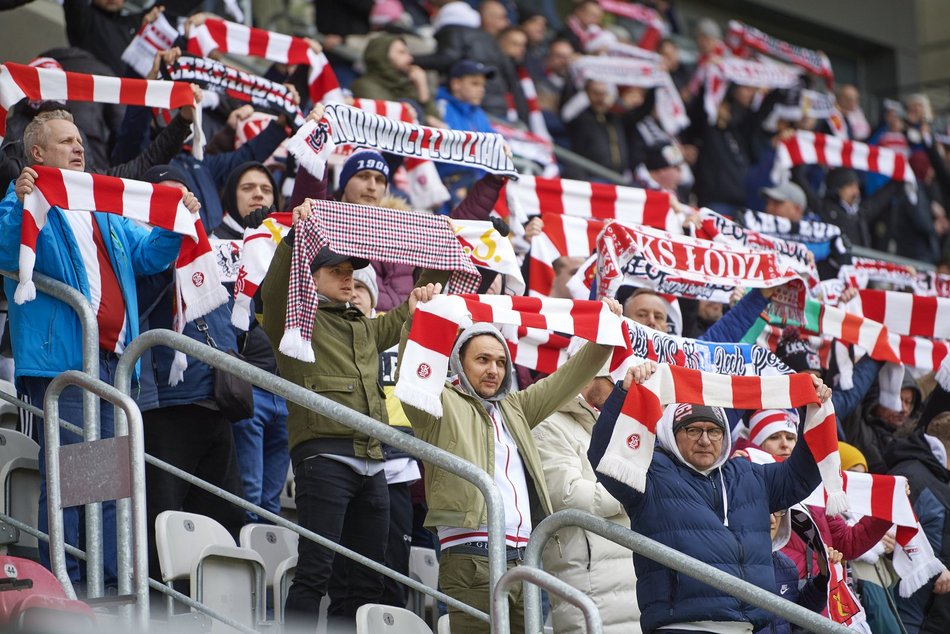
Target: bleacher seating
x=373 y=618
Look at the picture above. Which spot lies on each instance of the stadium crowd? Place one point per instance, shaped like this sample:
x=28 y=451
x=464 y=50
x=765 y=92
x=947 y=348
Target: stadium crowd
x=747 y=148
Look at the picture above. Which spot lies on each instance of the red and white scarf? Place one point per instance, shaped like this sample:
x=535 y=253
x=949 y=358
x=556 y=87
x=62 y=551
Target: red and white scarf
x=562 y=236
x=743 y=72
x=630 y=450
x=527 y=145
x=742 y=38
x=810 y=148
x=425 y=187
x=45 y=84
x=654 y=259
x=656 y=28
x=373 y=233
x=907 y=313
x=197 y=282
x=435 y=325
x=237 y=39
x=154 y=37
x=343 y=125
x=535 y=117
x=531 y=196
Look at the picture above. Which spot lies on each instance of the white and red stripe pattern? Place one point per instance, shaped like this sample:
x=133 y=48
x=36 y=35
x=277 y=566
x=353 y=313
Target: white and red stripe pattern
x=43 y=84
x=426 y=190
x=630 y=450
x=908 y=314
x=766 y=422
x=436 y=323
x=153 y=37
x=536 y=349
x=237 y=39
x=562 y=236
x=656 y=28
x=535 y=117
x=78 y=191
x=811 y=148
x=260 y=243
x=531 y=196
x=742 y=37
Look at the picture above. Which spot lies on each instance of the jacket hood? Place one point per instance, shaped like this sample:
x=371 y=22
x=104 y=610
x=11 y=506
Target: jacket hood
x=456 y=14
x=784 y=532
x=376 y=60
x=915 y=448
x=229 y=193
x=455 y=361
x=667 y=440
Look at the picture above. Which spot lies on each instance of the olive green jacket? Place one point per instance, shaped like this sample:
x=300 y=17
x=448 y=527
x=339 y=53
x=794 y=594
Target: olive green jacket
x=465 y=429
x=346 y=346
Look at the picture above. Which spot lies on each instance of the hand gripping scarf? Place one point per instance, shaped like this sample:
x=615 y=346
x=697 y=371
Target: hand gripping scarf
x=373 y=233
x=154 y=37
x=435 y=325
x=43 y=84
x=199 y=290
x=315 y=141
x=810 y=148
x=742 y=37
x=630 y=450
x=230 y=37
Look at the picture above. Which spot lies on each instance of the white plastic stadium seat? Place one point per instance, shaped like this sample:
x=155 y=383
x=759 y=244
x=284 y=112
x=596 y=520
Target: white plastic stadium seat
x=275 y=544
x=20 y=486
x=444 y=627
x=283 y=576
x=423 y=567
x=373 y=618
x=223 y=577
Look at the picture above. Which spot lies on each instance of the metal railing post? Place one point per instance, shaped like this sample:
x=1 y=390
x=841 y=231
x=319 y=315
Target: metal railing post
x=344 y=415
x=668 y=557
x=536 y=577
x=98 y=389
x=90 y=411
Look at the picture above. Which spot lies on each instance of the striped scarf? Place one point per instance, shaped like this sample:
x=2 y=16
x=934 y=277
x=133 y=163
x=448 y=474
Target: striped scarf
x=535 y=117
x=237 y=39
x=655 y=29
x=630 y=450
x=198 y=287
x=373 y=233
x=742 y=37
x=732 y=70
x=154 y=37
x=425 y=361
x=45 y=84
x=907 y=313
x=810 y=148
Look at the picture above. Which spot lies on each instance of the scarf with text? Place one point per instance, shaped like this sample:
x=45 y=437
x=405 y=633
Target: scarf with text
x=814 y=148
x=49 y=84
x=156 y=36
x=199 y=290
x=245 y=87
x=821 y=238
x=655 y=27
x=527 y=145
x=435 y=325
x=862 y=271
x=630 y=449
x=742 y=38
x=315 y=141
x=425 y=188
x=743 y=72
x=237 y=39
x=655 y=259
x=373 y=233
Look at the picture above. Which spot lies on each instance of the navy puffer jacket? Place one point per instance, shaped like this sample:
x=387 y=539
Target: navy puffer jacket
x=686 y=510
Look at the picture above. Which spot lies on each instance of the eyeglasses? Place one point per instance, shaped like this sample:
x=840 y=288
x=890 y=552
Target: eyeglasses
x=713 y=433
x=780 y=513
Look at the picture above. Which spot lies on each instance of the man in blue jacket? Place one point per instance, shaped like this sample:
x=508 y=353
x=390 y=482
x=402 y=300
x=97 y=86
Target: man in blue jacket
x=706 y=506
x=98 y=254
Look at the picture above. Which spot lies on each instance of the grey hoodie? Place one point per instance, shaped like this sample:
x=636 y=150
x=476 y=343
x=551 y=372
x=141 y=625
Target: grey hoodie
x=455 y=363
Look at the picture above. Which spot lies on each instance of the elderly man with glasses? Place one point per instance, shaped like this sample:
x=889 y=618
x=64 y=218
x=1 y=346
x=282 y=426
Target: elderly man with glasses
x=705 y=505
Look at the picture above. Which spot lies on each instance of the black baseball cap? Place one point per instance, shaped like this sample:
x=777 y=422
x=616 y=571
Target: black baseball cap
x=326 y=257
x=465 y=67
x=160 y=173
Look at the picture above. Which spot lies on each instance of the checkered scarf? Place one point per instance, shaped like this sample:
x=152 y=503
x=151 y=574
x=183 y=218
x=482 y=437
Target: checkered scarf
x=630 y=449
x=373 y=233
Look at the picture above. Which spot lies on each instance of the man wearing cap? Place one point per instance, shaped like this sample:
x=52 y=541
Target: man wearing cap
x=339 y=473
x=663 y=164
x=598 y=567
x=701 y=503
x=785 y=200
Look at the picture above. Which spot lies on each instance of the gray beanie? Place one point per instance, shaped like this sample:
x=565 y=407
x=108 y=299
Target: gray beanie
x=367 y=277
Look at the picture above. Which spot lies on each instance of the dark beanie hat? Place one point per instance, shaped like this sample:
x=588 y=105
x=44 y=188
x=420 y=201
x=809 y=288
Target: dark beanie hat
x=229 y=193
x=363 y=160
x=796 y=352
x=839 y=177
x=686 y=413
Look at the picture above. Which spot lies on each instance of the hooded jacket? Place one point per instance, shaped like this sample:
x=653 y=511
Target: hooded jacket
x=465 y=429
x=598 y=567
x=382 y=81
x=870 y=433
x=719 y=516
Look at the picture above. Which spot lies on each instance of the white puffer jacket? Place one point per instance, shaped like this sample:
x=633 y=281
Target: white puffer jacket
x=601 y=569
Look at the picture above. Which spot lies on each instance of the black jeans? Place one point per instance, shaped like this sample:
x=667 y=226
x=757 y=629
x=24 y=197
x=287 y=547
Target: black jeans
x=197 y=440
x=350 y=509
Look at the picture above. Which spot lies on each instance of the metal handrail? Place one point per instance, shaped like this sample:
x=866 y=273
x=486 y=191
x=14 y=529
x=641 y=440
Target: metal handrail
x=90 y=410
x=668 y=557
x=535 y=577
x=344 y=415
x=98 y=389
